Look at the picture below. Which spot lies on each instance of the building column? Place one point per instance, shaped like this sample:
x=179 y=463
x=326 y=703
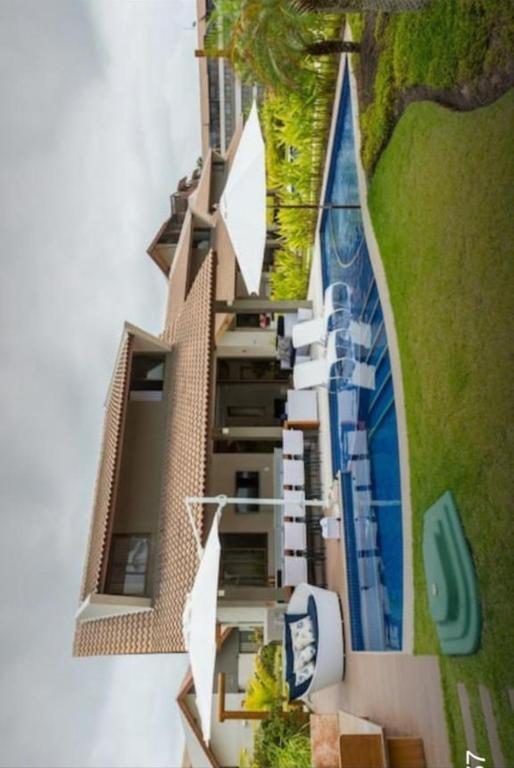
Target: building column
x=256 y=306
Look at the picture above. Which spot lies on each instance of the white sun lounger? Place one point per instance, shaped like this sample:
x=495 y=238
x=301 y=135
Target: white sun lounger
x=361 y=473
x=295 y=570
x=295 y=537
x=316 y=331
x=361 y=502
x=357 y=443
x=369 y=571
x=365 y=534
x=348 y=401
x=337 y=295
x=336 y=302
x=320 y=373
x=292 y=442
x=294 y=503
x=293 y=472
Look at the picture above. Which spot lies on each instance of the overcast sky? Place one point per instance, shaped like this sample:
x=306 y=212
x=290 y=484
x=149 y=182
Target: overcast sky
x=99 y=117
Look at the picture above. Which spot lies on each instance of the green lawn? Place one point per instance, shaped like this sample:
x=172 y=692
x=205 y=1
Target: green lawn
x=441 y=203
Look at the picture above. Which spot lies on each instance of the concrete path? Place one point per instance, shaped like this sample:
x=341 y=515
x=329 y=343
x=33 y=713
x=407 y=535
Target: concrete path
x=465 y=710
x=492 y=730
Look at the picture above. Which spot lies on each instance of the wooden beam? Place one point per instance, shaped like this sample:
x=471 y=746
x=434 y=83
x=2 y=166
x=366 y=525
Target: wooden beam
x=254 y=306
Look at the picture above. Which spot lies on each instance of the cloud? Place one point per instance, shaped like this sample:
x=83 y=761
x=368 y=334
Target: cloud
x=99 y=120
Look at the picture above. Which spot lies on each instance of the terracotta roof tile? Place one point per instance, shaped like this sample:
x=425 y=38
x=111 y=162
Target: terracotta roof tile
x=106 y=470
x=160 y=630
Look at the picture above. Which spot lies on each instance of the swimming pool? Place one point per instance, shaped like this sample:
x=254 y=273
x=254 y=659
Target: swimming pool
x=371 y=492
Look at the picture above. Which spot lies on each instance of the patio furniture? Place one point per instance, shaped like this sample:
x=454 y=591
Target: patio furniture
x=362 y=502
x=405 y=752
x=295 y=537
x=451 y=579
x=330 y=528
x=337 y=295
x=361 y=473
x=295 y=570
x=324 y=370
x=323 y=607
x=292 y=442
x=362 y=751
x=294 y=503
x=302 y=409
x=336 y=315
x=356 y=443
x=365 y=533
x=293 y=473
x=317 y=331
x=349 y=406
x=344 y=740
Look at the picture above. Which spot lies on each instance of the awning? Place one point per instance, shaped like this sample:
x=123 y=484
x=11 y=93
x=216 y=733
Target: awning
x=199 y=625
x=243 y=202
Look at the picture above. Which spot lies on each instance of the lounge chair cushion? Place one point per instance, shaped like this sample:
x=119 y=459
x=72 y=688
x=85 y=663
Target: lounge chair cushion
x=302 y=633
x=304 y=674
x=295 y=691
x=303 y=657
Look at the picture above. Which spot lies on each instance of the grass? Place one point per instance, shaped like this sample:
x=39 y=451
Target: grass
x=440 y=201
x=450 y=44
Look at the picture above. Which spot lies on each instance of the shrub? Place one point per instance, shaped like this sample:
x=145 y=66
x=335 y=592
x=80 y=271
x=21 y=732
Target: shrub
x=264 y=689
x=282 y=741
x=290 y=276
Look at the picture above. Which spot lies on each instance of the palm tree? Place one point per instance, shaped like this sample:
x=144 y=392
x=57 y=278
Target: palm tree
x=268 y=40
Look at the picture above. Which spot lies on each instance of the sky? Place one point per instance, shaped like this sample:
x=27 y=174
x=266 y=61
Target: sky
x=99 y=119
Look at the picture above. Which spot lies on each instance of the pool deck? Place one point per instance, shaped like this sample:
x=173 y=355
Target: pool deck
x=400 y=691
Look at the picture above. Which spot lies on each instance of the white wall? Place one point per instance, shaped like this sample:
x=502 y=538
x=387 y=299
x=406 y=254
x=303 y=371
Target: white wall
x=245 y=666
x=230 y=737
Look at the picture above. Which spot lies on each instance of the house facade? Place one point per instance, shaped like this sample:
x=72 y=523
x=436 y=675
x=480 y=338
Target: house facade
x=196 y=411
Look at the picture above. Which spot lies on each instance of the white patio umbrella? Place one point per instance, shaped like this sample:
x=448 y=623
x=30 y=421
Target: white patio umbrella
x=243 y=202
x=199 y=617
x=199 y=626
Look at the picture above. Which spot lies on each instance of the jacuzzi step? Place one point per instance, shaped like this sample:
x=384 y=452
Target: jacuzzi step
x=451 y=579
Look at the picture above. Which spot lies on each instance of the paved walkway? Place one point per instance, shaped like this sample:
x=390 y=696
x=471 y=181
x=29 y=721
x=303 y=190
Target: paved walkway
x=467 y=719
x=400 y=691
x=490 y=724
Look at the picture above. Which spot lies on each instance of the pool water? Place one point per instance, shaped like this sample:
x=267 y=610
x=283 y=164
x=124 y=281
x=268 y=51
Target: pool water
x=372 y=500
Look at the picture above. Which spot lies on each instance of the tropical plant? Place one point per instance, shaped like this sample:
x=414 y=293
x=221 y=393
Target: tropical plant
x=295 y=126
x=282 y=741
x=264 y=689
x=269 y=41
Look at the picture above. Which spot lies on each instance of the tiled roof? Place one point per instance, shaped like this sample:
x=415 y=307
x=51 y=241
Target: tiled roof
x=202 y=193
x=226 y=272
x=190 y=334
x=107 y=470
x=178 y=275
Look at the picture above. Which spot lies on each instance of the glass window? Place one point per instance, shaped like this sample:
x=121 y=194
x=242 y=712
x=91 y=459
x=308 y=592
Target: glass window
x=247 y=487
x=250 y=640
x=147 y=373
x=128 y=564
